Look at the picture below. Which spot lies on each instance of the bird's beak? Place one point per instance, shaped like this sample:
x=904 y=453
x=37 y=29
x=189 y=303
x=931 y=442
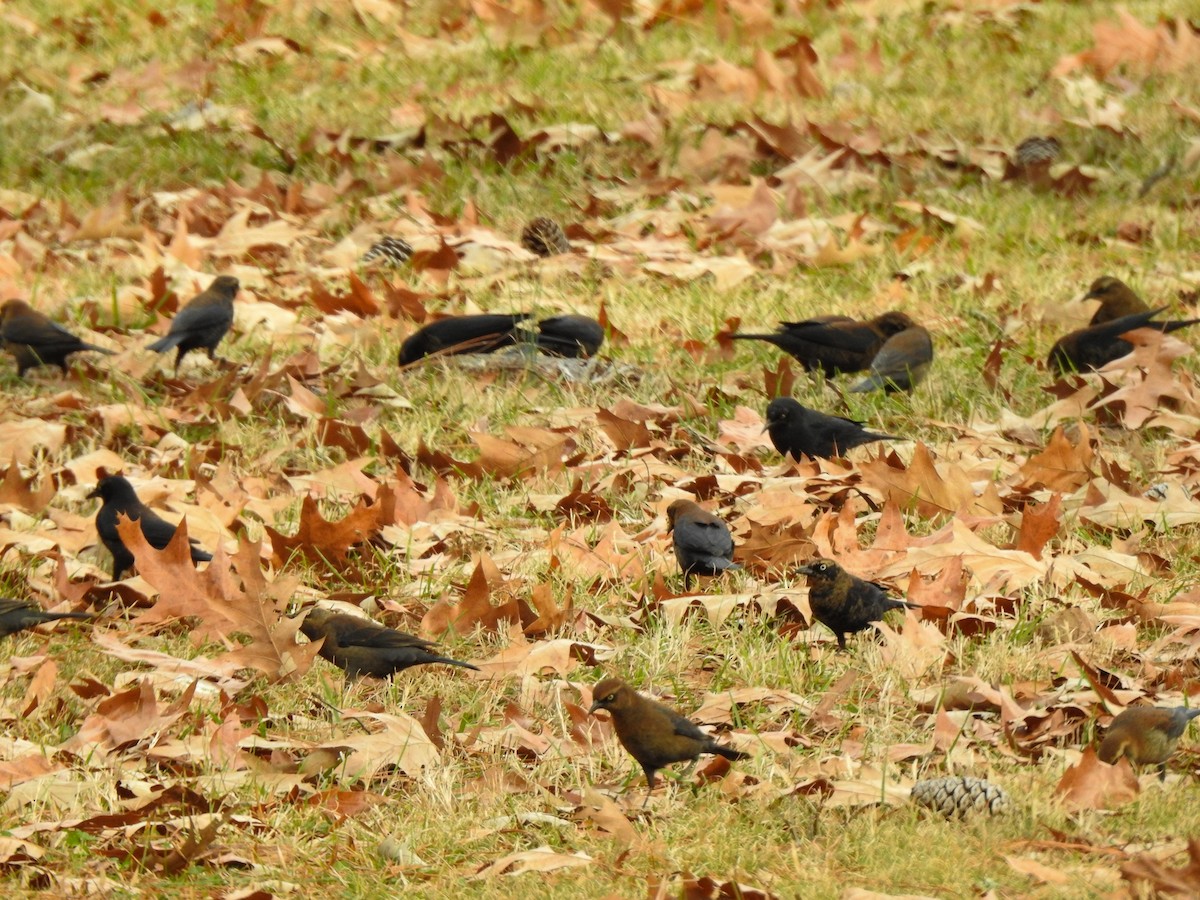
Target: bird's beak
x=804 y=570
x=592 y=709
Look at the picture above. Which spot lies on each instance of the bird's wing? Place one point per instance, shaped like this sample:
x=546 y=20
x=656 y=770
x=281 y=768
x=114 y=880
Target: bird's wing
x=857 y=340
x=380 y=638
x=684 y=727
x=705 y=537
x=199 y=317
x=44 y=331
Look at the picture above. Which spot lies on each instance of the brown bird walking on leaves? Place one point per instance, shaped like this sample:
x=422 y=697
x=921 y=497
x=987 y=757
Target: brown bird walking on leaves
x=833 y=344
x=846 y=603
x=361 y=647
x=120 y=497
x=1087 y=349
x=901 y=363
x=202 y=323
x=1147 y=735
x=652 y=733
x=36 y=340
x=17 y=615
x=703 y=544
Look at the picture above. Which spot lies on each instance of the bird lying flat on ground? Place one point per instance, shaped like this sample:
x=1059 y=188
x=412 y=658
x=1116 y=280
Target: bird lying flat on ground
x=18 y=615
x=36 y=340
x=846 y=603
x=119 y=497
x=461 y=334
x=202 y=322
x=1147 y=735
x=703 y=544
x=799 y=431
x=362 y=647
x=653 y=733
x=834 y=344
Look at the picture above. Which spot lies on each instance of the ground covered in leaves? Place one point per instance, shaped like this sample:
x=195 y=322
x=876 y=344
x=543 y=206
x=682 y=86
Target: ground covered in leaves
x=716 y=165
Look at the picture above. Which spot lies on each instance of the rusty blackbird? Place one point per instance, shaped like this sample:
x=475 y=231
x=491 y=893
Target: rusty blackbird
x=202 y=322
x=798 y=430
x=17 y=615
x=703 y=544
x=572 y=336
x=652 y=733
x=361 y=647
x=119 y=497
x=833 y=344
x=845 y=602
x=1090 y=348
x=1146 y=734
x=461 y=334
x=36 y=340
x=901 y=363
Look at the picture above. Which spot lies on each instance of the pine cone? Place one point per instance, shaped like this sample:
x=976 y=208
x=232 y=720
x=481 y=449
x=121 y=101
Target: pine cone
x=545 y=237
x=393 y=249
x=1037 y=151
x=959 y=795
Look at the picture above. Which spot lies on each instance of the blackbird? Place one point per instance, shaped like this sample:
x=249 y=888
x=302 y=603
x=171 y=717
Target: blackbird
x=797 y=430
x=202 y=322
x=36 y=340
x=361 y=647
x=1090 y=348
x=1147 y=735
x=901 y=363
x=834 y=344
x=1116 y=298
x=845 y=602
x=703 y=544
x=461 y=334
x=653 y=734
x=576 y=337
x=119 y=497
x=17 y=615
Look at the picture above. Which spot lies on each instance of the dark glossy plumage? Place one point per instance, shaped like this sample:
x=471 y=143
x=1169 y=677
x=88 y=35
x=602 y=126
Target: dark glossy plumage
x=570 y=336
x=703 y=544
x=798 y=430
x=17 y=615
x=461 y=334
x=1093 y=347
x=833 y=344
x=846 y=603
x=119 y=497
x=361 y=647
x=652 y=733
x=1147 y=735
x=901 y=363
x=202 y=322
x=36 y=340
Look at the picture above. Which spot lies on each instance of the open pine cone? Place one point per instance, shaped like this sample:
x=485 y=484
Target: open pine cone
x=960 y=795
x=391 y=249
x=545 y=237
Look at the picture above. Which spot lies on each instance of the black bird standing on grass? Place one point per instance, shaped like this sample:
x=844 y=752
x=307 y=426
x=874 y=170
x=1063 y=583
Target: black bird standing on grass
x=703 y=544
x=798 y=430
x=119 y=497
x=652 y=733
x=833 y=344
x=202 y=322
x=1147 y=735
x=36 y=340
x=461 y=334
x=845 y=602
x=361 y=647
x=572 y=336
x=1087 y=349
x=901 y=363
x=17 y=615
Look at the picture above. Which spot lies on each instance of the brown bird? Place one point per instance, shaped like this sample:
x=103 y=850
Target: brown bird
x=361 y=647
x=36 y=340
x=653 y=734
x=1116 y=298
x=833 y=344
x=798 y=430
x=1147 y=735
x=1087 y=349
x=901 y=363
x=201 y=323
x=575 y=337
x=845 y=602
x=703 y=544
x=461 y=334
x=17 y=615
x=119 y=497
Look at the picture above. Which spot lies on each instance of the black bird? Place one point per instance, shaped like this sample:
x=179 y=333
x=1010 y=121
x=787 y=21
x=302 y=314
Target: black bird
x=1087 y=349
x=361 y=647
x=652 y=733
x=17 y=615
x=119 y=497
x=798 y=430
x=833 y=344
x=202 y=322
x=570 y=336
x=36 y=340
x=703 y=544
x=901 y=363
x=845 y=602
x=1147 y=735
x=461 y=334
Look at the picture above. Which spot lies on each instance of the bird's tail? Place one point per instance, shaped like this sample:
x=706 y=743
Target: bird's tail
x=1168 y=327
x=103 y=350
x=163 y=344
x=454 y=662
x=728 y=752
x=769 y=338
x=55 y=616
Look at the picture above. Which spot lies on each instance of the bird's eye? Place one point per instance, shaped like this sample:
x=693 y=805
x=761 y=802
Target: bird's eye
x=609 y=699
x=821 y=567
